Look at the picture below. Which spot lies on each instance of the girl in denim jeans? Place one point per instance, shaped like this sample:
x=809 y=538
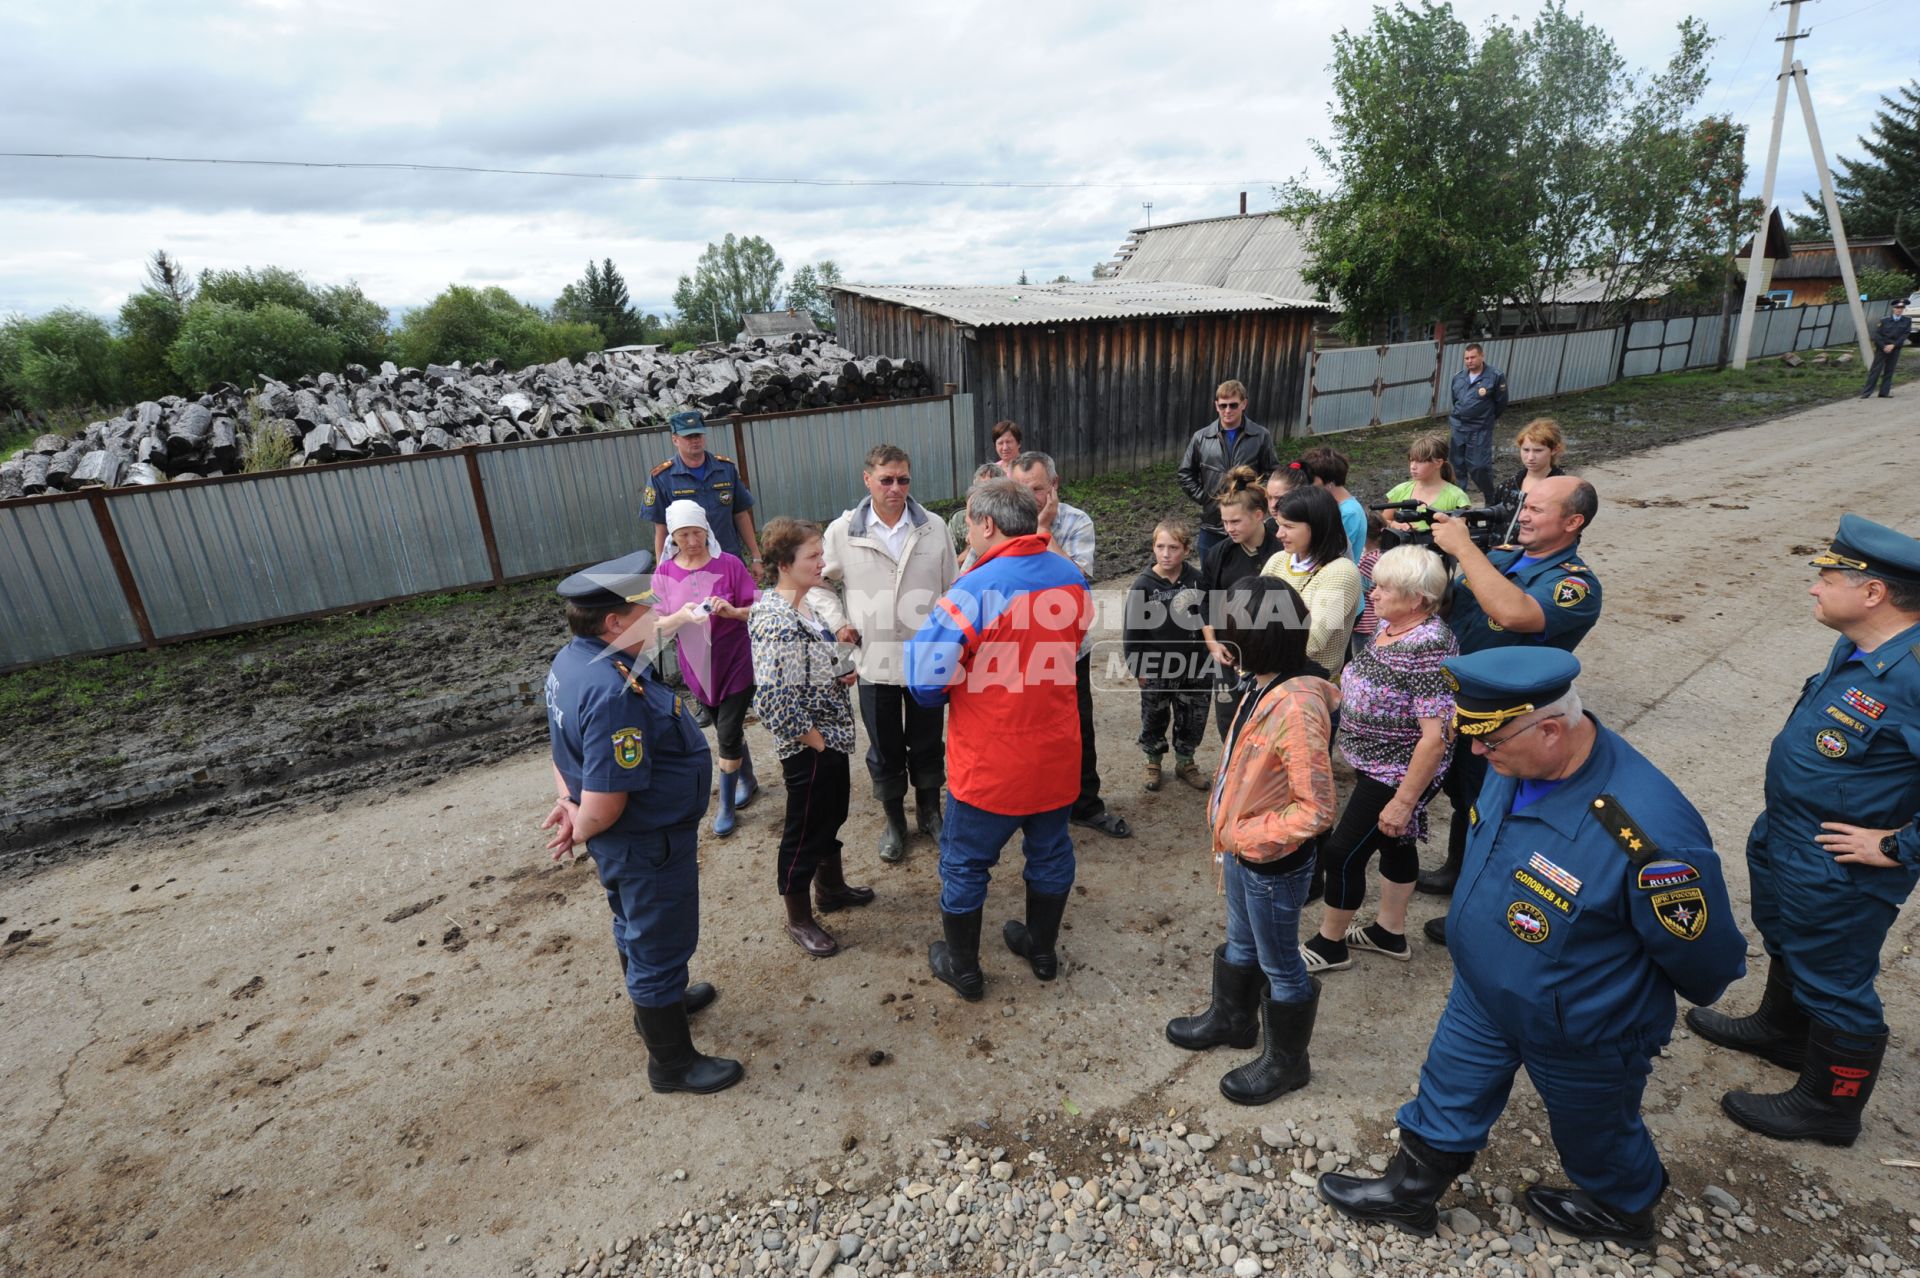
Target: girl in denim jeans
x=1273 y=797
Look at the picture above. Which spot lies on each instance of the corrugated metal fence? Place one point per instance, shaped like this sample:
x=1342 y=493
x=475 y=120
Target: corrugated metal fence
x=108 y=570
x=1370 y=386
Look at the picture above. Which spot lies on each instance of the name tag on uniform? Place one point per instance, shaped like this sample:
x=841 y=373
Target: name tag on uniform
x=1542 y=891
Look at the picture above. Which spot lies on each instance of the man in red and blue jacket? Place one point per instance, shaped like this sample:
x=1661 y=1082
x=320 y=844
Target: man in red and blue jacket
x=998 y=650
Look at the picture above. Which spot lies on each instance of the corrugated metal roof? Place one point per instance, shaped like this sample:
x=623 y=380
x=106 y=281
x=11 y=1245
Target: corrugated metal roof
x=1258 y=252
x=1009 y=304
x=777 y=323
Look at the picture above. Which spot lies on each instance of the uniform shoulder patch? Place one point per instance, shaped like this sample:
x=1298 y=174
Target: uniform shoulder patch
x=1569 y=592
x=662 y=468
x=1663 y=874
x=722 y=457
x=627 y=749
x=1682 y=912
x=1617 y=821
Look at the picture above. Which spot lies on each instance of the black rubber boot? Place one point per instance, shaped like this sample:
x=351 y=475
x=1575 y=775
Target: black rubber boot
x=699 y=997
x=1282 y=1064
x=1405 y=1196
x=926 y=811
x=1825 y=1103
x=1775 y=1031
x=1440 y=882
x=1034 y=940
x=956 y=960
x=1232 y=1019
x=673 y=1064
x=1435 y=930
x=893 y=842
x=1576 y=1212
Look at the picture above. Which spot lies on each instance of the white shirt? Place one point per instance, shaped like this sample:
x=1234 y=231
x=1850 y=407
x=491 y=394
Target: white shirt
x=894 y=538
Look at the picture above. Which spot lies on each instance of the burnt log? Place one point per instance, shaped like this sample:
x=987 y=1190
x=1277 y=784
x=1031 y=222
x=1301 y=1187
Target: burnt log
x=100 y=468
x=33 y=474
x=435 y=440
x=223 y=442
x=320 y=444
x=144 y=473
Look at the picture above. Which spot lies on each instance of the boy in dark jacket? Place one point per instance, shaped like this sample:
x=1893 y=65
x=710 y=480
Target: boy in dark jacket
x=1167 y=656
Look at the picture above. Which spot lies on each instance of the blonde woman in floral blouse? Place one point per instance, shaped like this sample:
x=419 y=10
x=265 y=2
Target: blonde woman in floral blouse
x=803 y=702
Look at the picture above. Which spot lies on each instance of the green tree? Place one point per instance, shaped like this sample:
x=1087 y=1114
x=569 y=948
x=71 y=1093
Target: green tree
x=732 y=278
x=470 y=325
x=600 y=298
x=1879 y=193
x=150 y=321
x=223 y=341
x=811 y=290
x=358 y=323
x=63 y=359
x=1875 y=283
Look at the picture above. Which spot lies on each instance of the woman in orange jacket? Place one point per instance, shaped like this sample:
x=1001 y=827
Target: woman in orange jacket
x=1272 y=799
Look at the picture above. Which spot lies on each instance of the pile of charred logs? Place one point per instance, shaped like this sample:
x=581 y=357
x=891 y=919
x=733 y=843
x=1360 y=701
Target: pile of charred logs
x=390 y=411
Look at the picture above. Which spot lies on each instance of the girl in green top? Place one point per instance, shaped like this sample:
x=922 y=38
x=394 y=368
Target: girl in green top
x=1432 y=482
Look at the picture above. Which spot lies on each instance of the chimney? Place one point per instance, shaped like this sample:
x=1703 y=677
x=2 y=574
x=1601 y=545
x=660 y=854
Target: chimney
x=1243 y=204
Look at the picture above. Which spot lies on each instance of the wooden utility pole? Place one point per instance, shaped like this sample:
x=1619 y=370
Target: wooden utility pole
x=1796 y=71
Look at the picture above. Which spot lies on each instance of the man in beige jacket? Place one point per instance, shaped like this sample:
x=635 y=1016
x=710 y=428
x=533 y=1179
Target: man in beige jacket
x=892 y=560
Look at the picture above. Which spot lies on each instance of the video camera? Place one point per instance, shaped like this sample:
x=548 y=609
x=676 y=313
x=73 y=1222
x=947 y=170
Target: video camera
x=1490 y=526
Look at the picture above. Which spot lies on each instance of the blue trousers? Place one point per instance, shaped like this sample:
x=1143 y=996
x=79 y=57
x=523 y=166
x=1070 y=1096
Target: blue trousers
x=1206 y=539
x=1827 y=931
x=1263 y=926
x=653 y=889
x=970 y=843
x=1471 y=451
x=1592 y=1097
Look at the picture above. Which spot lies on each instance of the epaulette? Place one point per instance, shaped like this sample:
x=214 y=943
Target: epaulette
x=661 y=467
x=1571 y=566
x=723 y=457
x=1636 y=843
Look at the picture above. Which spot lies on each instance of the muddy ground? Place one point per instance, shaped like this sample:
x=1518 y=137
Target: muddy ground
x=337 y=1033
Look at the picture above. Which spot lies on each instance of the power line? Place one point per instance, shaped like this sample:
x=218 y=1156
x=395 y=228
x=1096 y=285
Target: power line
x=718 y=179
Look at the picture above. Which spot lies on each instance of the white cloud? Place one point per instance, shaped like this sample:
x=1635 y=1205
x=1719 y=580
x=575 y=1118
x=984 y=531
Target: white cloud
x=1154 y=95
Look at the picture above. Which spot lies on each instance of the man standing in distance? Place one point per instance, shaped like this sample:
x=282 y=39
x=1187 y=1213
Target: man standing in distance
x=1479 y=397
x=1837 y=850
x=1889 y=335
x=893 y=561
x=1537 y=593
x=998 y=649
x=1230 y=440
x=1071 y=530
x=694 y=474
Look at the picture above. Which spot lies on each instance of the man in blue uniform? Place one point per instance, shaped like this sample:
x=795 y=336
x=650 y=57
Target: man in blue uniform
x=633 y=771
x=1479 y=397
x=1540 y=593
x=1889 y=335
x=1837 y=850
x=1591 y=894
x=714 y=481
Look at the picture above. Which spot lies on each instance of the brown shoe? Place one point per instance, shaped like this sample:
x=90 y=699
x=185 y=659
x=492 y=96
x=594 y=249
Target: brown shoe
x=1189 y=771
x=1150 y=776
x=804 y=930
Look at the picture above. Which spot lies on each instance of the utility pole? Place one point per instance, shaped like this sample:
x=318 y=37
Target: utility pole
x=1791 y=69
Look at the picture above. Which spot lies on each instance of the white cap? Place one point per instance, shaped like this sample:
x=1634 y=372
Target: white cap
x=687 y=513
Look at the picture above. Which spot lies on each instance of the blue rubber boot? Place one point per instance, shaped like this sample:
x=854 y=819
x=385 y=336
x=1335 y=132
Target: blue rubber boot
x=724 y=821
x=745 y=784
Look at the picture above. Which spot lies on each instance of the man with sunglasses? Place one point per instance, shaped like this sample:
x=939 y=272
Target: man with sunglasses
x=893 y=560
x=1837 y=850
x=1231 y=439
x=1591 y=895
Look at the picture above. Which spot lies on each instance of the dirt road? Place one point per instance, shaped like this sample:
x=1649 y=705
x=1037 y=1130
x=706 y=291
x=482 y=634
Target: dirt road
x=312 y=1043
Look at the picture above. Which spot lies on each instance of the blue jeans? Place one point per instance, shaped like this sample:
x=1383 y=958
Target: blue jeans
x=1205 y=541
x=1263 y=926
x=970 y=843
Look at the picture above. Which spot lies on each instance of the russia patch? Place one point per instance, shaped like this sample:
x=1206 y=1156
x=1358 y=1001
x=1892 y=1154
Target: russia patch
x=1659 y=875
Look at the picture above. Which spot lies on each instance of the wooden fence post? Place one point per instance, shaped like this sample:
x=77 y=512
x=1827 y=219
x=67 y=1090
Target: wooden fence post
x=1439 y=364
x=485 y=514
x=117 y=555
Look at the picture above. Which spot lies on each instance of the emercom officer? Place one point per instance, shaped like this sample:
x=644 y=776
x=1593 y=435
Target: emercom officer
x=633 y=772
x=1479 y=397
x=714 y=481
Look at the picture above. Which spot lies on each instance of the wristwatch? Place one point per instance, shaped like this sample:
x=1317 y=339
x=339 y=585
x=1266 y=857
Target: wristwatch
x=1890 y=846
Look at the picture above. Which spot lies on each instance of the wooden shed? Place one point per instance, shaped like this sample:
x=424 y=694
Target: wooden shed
x=1105 y=376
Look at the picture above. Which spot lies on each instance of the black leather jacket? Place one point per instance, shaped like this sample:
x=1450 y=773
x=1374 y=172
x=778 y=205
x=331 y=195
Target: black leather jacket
x=1205 y=466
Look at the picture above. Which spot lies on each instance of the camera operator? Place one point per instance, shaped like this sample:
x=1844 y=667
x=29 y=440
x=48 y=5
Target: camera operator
x=1537 y=593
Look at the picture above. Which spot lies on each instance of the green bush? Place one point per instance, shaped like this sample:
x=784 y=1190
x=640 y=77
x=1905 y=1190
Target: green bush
x=470 y=325
x=63 y=358
x=221 y=342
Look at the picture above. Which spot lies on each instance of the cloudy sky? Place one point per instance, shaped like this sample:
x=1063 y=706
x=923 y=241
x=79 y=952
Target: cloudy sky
x=1181 y=105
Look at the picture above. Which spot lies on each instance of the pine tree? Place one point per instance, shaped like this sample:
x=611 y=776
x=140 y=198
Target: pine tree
x=1879 y=194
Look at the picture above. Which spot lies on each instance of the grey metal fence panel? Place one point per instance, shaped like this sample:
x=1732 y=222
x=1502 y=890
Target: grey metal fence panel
x=219 y=556
x=1533 y=366
x=58 y=590
x=575 y=501
x=809 y=466
x=1590 y=360
x=1704 y=350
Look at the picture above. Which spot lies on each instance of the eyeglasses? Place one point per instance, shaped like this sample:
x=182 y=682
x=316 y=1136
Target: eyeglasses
x=893 y=481
x=1228 y=403
x=1489 y=745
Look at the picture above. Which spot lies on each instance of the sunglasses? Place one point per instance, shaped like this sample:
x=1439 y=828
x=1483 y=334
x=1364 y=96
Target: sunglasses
x=893 y=481
x=1227 y=403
